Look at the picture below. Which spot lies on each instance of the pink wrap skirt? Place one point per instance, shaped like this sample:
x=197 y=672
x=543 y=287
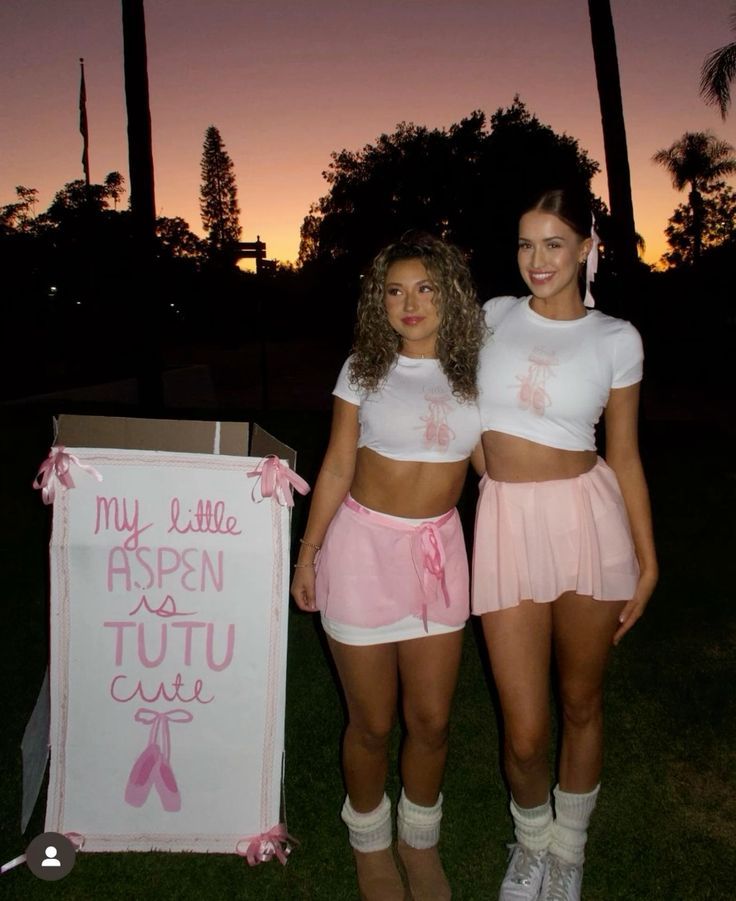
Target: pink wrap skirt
x=374 y=570
x=537 y=540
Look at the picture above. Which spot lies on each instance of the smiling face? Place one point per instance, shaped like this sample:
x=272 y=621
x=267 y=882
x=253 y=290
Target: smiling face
x=550 y=255
x=410 y=298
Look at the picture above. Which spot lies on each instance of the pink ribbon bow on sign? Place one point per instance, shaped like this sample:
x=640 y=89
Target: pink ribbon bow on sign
x=591 y=267
x=276 y=481
x=267 y=845
x=56 y=471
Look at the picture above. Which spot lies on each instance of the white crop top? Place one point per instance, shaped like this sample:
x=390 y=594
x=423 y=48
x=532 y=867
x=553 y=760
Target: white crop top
x=548 y=380
x=413 y=415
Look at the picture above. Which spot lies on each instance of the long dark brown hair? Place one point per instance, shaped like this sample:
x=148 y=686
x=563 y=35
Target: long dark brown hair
x=569 y=204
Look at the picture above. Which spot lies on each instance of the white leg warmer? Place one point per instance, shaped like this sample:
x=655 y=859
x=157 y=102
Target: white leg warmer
x=419 y=826
x=570 y=829
x=368 y=831
x=533 y=825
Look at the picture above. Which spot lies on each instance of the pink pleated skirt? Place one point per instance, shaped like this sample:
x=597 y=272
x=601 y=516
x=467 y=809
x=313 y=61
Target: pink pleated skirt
x=537 y=540
x=374 y=570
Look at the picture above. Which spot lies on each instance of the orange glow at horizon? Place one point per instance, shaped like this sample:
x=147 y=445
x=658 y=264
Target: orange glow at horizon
x=288 y=84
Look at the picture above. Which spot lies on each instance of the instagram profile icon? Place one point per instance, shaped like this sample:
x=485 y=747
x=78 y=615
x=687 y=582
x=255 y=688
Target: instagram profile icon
x=50 y=856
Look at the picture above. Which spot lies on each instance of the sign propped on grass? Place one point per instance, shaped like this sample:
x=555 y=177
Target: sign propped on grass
x=168 y=637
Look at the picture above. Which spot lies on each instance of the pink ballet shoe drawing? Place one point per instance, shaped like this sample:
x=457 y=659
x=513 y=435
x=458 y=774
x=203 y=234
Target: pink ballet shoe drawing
x=167 y=788
x=141 y=776
x=153 y=765
x=164 y=779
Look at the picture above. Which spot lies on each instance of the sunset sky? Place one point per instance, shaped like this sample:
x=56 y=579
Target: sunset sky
x=287 y=82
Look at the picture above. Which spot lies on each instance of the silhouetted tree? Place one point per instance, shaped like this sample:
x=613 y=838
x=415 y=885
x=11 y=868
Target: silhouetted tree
x=218 y=197
x=20 y=216
x=623 y=231
x=717 y=228
x=115 y=185
x=464 y=183
x=717 y=73
x=77 y=198
x=176 y=239
x=698 y=159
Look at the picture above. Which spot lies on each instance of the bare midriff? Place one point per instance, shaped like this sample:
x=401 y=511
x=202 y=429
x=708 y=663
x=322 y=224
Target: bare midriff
x=512 y=459
x=406 y=487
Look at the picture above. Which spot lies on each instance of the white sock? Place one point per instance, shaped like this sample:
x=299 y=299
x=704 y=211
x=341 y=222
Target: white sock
x=419 y=826
x=368 y=831
x=570 y=828
x=532 y=825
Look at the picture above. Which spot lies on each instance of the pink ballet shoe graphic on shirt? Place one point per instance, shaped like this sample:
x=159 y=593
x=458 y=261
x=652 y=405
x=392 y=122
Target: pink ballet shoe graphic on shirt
x=540 y=401
x=531 y=388
x=525 y=392
x=141 y=776
x=437 y=432
x=153 y=765
x=444 y=433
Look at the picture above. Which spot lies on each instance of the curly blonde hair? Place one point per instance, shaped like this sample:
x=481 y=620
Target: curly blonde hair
x=462 y=329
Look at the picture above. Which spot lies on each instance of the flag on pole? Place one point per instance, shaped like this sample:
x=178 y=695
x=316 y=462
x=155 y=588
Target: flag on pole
x=83 y=123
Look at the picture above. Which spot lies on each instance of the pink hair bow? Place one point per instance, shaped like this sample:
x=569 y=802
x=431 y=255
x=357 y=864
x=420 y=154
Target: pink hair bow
x=55 y=471
x=277 y=481
x=591 y=266
x=267 y=845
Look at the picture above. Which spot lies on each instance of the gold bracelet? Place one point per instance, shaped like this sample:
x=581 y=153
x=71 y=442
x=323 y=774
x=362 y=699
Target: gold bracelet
x=309 y=544
x=297 y=565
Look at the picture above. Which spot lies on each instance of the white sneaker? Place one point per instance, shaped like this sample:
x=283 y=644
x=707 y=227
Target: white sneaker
x=524 y=874
x=562 y=881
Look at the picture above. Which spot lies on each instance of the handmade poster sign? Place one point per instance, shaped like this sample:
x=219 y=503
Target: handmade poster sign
x=168 y=649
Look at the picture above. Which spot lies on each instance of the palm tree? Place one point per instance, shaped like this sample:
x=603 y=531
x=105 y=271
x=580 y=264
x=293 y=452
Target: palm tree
x=142 y=202
x=140 y=150
x=623 y=231
x=698 y=159
x=717 y=73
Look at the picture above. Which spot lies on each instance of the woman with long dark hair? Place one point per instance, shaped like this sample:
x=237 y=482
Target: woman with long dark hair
x=564 y=560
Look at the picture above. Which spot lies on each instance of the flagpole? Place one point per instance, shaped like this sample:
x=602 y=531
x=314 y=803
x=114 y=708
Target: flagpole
x=83 y=127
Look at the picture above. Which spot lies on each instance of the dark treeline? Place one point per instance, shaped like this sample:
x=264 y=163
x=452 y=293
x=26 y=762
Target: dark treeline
x=70 y=273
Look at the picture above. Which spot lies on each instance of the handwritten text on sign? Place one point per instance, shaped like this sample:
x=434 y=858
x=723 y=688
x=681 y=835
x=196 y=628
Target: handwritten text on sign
x=168 y=588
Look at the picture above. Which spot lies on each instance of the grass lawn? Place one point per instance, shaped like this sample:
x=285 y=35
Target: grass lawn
x=664 y=827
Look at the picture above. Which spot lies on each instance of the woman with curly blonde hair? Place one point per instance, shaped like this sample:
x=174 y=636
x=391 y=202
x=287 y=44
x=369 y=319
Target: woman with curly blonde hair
x=383 y=556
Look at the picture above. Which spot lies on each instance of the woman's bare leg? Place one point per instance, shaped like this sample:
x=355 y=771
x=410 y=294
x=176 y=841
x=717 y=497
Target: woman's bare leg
x=428 y=668
x=583 y=629
x=519 y=647
x=369 y=677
